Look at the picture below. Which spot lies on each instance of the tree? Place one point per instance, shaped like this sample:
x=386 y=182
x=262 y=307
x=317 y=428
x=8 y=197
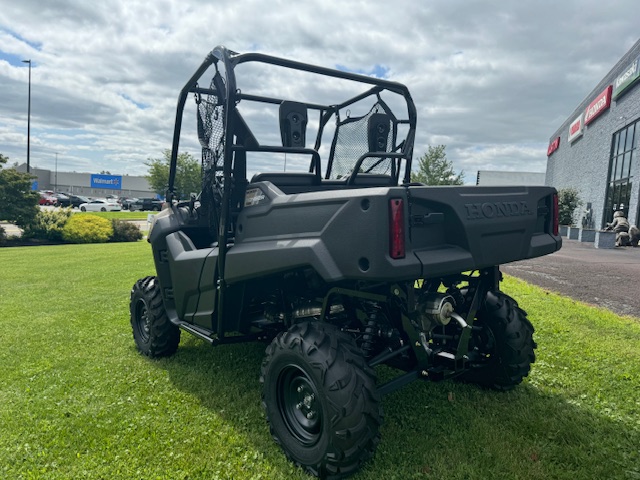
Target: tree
x=188 y=174
x=568 y=202
x=18 y=203
x=435 y=169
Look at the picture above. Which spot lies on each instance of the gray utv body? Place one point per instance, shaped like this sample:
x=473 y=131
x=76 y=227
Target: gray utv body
x=330 y=241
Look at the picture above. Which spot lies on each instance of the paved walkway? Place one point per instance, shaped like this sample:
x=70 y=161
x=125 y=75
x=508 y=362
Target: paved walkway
x=608 y=278
x=10 y=229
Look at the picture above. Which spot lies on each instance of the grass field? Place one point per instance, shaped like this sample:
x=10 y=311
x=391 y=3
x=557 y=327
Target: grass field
x=78 y=401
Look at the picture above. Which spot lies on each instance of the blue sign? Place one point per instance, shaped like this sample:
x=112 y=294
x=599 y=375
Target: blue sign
x=34 y=185
x=112 y=182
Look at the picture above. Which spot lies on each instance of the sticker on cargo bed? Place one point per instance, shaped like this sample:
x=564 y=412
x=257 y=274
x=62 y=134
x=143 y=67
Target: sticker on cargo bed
x=254 y=196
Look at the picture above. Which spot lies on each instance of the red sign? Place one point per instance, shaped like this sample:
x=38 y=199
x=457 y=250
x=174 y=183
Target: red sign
x=575 y=130
x=553 y=146
x=599 y=105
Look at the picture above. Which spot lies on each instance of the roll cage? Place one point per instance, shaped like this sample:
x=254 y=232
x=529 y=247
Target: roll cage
x=225 y=137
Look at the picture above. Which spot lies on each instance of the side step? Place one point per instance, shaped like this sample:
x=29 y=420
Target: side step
x=199 y=332
x=212 y=338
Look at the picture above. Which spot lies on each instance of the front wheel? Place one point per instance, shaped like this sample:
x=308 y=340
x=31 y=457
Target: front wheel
x=505 y=344
x=154 y=334
x=320 y=399
x=83 y=209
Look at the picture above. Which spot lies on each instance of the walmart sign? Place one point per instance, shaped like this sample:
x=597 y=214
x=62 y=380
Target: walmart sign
x=112 y=182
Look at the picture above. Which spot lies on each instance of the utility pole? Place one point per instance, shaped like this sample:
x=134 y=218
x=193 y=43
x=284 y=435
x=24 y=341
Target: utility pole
x=28 y=118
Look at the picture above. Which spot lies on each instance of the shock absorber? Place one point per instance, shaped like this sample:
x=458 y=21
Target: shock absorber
x=369 y=336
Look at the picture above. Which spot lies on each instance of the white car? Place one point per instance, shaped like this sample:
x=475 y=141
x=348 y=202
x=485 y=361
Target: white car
x=100 y=205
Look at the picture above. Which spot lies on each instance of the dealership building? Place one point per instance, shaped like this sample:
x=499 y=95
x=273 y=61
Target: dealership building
x=596 y=149
x=89 y=184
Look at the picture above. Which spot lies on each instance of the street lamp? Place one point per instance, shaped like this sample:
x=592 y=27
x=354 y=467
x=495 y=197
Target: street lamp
x=28 y=116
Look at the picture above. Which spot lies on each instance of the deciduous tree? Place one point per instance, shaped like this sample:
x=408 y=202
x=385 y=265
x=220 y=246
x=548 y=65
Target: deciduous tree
x=188 y=174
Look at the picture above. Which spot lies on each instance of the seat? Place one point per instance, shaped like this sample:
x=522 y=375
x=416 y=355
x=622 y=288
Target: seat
x=293 y=182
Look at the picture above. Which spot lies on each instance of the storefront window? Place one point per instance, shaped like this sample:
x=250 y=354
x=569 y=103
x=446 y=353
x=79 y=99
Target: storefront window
x=623 y=152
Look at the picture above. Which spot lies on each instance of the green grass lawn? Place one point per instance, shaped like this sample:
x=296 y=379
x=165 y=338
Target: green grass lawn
x=78 y=401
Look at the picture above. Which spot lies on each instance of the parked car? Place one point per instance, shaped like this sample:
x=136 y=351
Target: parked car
x=77 y=200
x=62 y=200
x=146 y=204
x=69 y=200
x=126 y=202
x=101 y=205
x=46 y=199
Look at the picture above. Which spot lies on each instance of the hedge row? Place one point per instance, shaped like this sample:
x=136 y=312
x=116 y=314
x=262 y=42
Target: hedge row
x=62 y=225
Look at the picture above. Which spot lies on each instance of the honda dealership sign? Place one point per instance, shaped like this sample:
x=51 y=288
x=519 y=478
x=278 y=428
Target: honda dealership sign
x=576 y=128
x=598 y=106
x=111 y=182
x=628 y=78
x=553 y=146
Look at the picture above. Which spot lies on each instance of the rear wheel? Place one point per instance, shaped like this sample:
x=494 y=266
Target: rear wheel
x=83 y=209
x=154 y=334
x=505 y=343
x=320 y=399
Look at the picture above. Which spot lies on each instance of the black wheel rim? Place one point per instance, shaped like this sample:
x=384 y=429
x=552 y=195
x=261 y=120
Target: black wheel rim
x=142 y=320
x=299 y=405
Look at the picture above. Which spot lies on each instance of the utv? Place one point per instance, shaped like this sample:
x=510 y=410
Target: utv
x=332 y=255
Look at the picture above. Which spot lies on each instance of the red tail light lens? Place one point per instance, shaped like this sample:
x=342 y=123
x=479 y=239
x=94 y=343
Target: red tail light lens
x=556 y=215
x=396 y=228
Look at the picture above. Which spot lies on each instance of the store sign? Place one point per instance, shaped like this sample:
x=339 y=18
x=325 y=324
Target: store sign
x=553 y=146
x=576 y=128
x=598 y=106
x=112 y=182
x=628 y=78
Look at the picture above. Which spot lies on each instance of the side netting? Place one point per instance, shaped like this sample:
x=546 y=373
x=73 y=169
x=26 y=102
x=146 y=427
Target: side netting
x=211 y=128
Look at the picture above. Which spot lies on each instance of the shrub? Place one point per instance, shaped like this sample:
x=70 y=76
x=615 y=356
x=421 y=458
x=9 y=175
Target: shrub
x=18 y=203
x=47 y=224
x=568 y=201
x=124 y=231
x=87 y=228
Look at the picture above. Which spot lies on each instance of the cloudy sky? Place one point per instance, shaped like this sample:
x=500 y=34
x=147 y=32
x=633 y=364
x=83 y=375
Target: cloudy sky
x=492 y=80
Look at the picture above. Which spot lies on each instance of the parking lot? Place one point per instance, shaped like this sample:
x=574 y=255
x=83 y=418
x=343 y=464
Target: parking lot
x=604 y=277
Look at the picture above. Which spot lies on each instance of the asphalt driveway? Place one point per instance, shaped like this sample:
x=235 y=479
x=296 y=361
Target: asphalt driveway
x=608 y=278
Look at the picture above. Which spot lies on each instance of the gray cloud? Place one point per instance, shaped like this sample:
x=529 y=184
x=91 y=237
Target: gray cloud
x=492 y=80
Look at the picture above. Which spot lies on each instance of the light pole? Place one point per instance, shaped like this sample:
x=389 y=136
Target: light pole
x=28 y=117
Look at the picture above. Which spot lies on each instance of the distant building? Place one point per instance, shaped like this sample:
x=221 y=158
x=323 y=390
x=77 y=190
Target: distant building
x=501 y=178
x=596 y=149
x=88 y=184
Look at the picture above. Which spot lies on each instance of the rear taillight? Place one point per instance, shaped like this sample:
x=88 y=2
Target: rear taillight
x=556 y=215
x=396 y=228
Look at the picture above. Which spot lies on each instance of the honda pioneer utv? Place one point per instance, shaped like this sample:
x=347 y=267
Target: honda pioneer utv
x=331 y=254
